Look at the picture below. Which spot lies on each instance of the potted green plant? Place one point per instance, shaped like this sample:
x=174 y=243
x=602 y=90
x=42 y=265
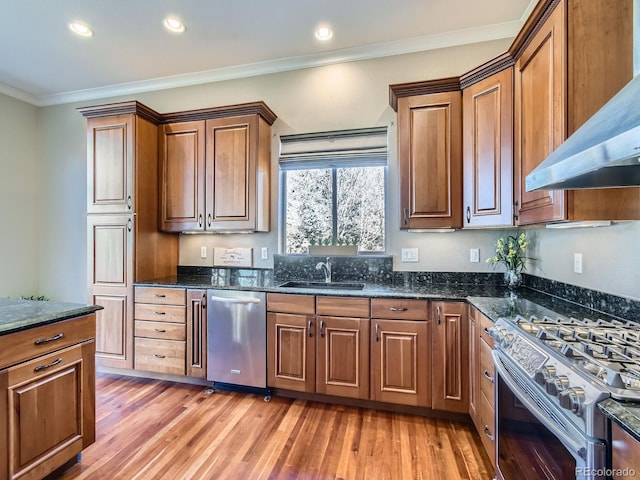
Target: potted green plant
x=332 y=246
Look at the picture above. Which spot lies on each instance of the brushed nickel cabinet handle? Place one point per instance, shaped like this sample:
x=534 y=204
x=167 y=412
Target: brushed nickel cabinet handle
x=129 y=203
x=40 y=341
x=468 y=215
x=487 y=376
x=404 y=216
x=203 y=302
x=486 y=432
x=209 y=220
x=39 y=368
x=309 y=325
x=129 y=225
x=200 y=220
x=322 y=328
x=398 y=309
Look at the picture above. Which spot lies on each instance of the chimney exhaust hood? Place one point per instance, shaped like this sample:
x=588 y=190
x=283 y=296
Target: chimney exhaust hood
x=605 y=150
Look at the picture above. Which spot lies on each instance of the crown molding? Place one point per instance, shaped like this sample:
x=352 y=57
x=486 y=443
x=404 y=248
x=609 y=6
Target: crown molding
x=19 y=94
x=380 y=50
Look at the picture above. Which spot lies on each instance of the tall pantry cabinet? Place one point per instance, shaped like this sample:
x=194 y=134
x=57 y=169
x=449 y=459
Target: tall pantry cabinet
x=123 y=241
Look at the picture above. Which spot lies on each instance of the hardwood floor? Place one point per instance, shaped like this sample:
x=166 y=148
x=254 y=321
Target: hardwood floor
x=149 y=429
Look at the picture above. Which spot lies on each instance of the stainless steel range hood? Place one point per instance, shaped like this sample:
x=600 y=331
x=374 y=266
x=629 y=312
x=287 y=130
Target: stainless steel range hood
x=605 y=150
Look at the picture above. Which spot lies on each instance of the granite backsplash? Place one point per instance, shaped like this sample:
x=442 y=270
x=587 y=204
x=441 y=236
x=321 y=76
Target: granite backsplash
x=378 y=269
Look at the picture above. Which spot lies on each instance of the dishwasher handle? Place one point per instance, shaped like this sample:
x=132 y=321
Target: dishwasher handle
x=246 y=300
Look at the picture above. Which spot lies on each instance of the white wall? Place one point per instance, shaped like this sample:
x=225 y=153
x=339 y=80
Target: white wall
x=325 y=98
x=19 y=196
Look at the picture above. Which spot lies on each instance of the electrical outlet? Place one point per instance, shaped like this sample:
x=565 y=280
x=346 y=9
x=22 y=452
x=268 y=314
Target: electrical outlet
x=474 y=255
x=577 y=263
x=203 y=252
x=409 y=254
x=265 y=253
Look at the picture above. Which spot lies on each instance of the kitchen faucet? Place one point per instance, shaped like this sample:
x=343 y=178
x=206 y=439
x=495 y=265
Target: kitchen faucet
x=326 y=268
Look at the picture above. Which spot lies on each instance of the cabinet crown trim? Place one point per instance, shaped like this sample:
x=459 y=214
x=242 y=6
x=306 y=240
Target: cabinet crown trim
x=441 y=85
x=121 y=108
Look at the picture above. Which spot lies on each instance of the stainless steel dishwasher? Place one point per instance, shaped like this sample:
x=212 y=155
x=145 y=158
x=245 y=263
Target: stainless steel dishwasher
x=237 y=340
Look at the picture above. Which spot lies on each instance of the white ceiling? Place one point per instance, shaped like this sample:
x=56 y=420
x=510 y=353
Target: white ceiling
x=43 y=63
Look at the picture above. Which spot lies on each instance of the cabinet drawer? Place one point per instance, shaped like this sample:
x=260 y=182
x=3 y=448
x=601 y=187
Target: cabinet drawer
x=287 y=303
x=160 y=295
x=487 y=372
x=160 y=313
x=45 y=365
x=399 y=308
x=161 y=330
x=163 y=356
x=21 y=346
x=487 y=433
x=484 y=325
x=342 y=307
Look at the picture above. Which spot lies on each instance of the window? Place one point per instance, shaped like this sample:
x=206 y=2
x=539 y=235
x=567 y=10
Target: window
x=333 y=189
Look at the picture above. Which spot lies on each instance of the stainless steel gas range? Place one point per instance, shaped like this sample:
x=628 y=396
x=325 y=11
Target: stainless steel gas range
x=551 y=373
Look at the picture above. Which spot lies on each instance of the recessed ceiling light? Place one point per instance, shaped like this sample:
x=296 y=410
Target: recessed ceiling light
x=81 y=29
x=175 y=25
x=324 y=33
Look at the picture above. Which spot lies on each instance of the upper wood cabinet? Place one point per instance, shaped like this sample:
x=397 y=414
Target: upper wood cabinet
x=429 y=157
x=569 y=62
x=487 y=108
x=450 y=380
x=215 y=172
x=182 y=176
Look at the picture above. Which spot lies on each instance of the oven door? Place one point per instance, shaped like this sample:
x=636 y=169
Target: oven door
x=533 y=437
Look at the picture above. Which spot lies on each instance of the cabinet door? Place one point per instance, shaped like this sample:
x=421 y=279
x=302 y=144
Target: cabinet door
x=540 y=106
x=488 y=151
x=430 y=160
x=474 y=366
x=110 y=154
x=291 y=351
x=401 y=362
x=110 y=273
x=197 y=333
x=182 y=176
x=450 y=381
x=44 y=434
x=232 y=153
x=342 y=367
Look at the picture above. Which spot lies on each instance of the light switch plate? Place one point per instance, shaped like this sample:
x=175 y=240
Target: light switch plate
x=203 y=252
x=474 y=255
x=265 y=253
x=409 y=254
x=577 y=263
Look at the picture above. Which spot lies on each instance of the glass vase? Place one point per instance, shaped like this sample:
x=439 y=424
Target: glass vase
x=512 y=279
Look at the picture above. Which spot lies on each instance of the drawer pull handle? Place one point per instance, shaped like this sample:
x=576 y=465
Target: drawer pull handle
x=157 y=355
x=159 y=295
x=159 y=313
x=160 y=330
x=322 y=328
x=486 y=330
x=309 y=325
x=486 y=432
x=438 y=315
x=39 y=368
x=398 y=309
x=40 y=341
x=377 y=332
x=487 y=376
x=129 y=203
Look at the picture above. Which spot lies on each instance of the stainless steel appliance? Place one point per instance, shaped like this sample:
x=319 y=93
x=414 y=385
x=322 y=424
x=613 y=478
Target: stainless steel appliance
x=551 y=373
x=237 y=340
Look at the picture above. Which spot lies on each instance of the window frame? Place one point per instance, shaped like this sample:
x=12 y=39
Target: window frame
x=282 y=207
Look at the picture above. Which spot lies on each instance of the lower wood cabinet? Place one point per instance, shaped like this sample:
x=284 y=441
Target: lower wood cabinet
x=47 y=405
x=291 y=352
x=625 y=455
x=400 y=362
x=450 y=386
x=196 y=333
x=481 y=380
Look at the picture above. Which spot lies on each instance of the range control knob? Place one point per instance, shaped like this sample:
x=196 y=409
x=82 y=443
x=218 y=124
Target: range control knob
x=506 y=340
x=572 y=399
x=544 y=375
x=557 y=384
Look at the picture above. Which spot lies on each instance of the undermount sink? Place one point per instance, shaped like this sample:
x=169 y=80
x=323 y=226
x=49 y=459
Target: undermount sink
x=331 y=285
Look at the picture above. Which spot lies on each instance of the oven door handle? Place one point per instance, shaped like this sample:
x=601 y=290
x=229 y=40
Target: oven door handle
x=577 y=449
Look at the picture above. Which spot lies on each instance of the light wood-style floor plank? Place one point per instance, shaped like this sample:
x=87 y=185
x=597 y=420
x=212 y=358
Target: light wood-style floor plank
x=150 y=429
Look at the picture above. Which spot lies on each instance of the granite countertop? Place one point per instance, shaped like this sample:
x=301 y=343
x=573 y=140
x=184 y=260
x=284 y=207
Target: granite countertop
x=16 y=315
